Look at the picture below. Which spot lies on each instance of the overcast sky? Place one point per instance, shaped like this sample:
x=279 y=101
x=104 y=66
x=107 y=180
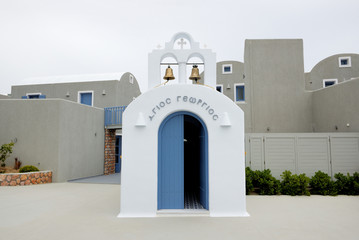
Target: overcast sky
x=65 y=37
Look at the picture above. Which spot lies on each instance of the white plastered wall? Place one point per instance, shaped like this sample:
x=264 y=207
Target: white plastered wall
x=225 y=124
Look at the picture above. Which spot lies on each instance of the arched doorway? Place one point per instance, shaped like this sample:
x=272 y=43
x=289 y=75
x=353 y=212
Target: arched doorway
x=183 y=162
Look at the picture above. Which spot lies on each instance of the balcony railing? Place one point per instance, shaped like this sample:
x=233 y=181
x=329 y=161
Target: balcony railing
x=113 y=116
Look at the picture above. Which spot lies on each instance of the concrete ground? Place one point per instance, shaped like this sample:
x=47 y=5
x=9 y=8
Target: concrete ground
x=88 y=211
x=100 y=179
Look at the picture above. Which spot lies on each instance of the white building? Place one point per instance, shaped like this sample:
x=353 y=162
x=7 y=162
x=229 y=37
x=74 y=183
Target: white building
x=183 y=144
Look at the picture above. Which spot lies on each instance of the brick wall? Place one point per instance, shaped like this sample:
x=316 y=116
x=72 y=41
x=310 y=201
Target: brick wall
x=110 y=144
x=21 y=179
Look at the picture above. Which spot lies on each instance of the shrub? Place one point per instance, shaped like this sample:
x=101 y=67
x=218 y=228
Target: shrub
x=249 y=180
x=5 y=151
x=294 y=184
x=322 y=184
x=28 y=168
x=267 y=184
x=348 y=185
x=342 y=183
x=356 y=183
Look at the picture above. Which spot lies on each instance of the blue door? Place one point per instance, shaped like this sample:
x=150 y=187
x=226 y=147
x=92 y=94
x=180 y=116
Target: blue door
x=182 y=161
x=86 y=98
x=118 y=154
x=170 y=165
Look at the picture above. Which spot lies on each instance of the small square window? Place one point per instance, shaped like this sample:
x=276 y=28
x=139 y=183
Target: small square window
x=85 y=97
x=226 y=68
x=33 y=96
x=219 y=88
x=329 y=82
x=239 y=93
x=345 y=61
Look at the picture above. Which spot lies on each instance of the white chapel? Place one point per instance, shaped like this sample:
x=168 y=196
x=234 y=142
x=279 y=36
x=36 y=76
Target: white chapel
x=183 y=143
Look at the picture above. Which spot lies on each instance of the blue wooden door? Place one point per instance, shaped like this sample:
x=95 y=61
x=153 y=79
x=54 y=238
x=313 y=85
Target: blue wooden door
x=118 y=154
x=86 y=98
x=170 y=165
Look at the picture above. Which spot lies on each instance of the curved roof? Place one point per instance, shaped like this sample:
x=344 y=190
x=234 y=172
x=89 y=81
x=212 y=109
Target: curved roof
x=332 y=57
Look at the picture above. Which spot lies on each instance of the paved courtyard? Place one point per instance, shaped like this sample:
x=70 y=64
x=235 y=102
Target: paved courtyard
x=88 y=211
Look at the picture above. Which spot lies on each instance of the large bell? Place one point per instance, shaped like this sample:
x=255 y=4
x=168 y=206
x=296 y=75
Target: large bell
x=195 y=73
x=169 y=74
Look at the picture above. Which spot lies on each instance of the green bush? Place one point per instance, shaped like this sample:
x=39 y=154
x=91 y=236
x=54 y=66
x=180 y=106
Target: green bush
x=348 y=185
x=5 y=151
x=249 y=180
x=264 y=183
x=356 y=183
x=322 y=184
x=267 y=184
x=294 y=184
x=261 y=182
x=342 y=183
x=28 y=168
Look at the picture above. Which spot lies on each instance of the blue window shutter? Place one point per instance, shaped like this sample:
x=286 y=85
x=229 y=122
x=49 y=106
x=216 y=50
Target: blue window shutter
x=86 y=98
x=23 y=97
x=42 y=96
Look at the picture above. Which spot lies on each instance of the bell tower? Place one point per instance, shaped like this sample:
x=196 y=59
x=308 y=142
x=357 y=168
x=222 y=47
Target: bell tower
x=182 y=56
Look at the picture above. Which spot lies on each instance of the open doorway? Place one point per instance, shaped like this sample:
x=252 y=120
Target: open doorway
x=192 y=164
x=183 y=163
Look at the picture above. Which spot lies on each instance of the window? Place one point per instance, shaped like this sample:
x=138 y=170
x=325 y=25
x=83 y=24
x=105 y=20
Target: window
x=239 y=93
x=33 y=96
x=226 y=68
x=131 y=79
x=85 y=97
x=329 y=82
x=219 y=88
x=345 y=61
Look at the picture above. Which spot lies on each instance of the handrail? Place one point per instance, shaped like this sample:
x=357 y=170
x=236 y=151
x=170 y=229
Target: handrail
x=113 y=115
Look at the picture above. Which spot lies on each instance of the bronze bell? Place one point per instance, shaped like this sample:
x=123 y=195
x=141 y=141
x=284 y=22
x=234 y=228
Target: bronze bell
x=169 y=74
x=195 y=73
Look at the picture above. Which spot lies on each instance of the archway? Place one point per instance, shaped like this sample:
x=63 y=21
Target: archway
x=183 y=162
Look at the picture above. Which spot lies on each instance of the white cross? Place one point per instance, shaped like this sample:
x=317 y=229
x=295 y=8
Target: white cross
x=182 y=42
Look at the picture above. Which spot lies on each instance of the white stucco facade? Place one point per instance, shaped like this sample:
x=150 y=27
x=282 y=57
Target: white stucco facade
x=226 y=165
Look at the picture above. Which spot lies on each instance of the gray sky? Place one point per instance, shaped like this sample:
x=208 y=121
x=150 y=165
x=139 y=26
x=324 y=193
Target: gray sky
x=47 y=37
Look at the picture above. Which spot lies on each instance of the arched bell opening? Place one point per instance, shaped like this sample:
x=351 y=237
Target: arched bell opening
x=183 y=163
x=169 y=61
x=192 y=63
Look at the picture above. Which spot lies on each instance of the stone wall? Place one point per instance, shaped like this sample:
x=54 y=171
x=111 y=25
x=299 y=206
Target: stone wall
x=110 y=151
x=21 y=179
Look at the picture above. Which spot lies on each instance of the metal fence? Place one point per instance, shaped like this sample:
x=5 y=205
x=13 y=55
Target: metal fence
x=303 y=152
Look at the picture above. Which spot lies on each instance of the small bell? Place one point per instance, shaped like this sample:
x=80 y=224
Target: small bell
x=169 y=74
x=195 y=74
